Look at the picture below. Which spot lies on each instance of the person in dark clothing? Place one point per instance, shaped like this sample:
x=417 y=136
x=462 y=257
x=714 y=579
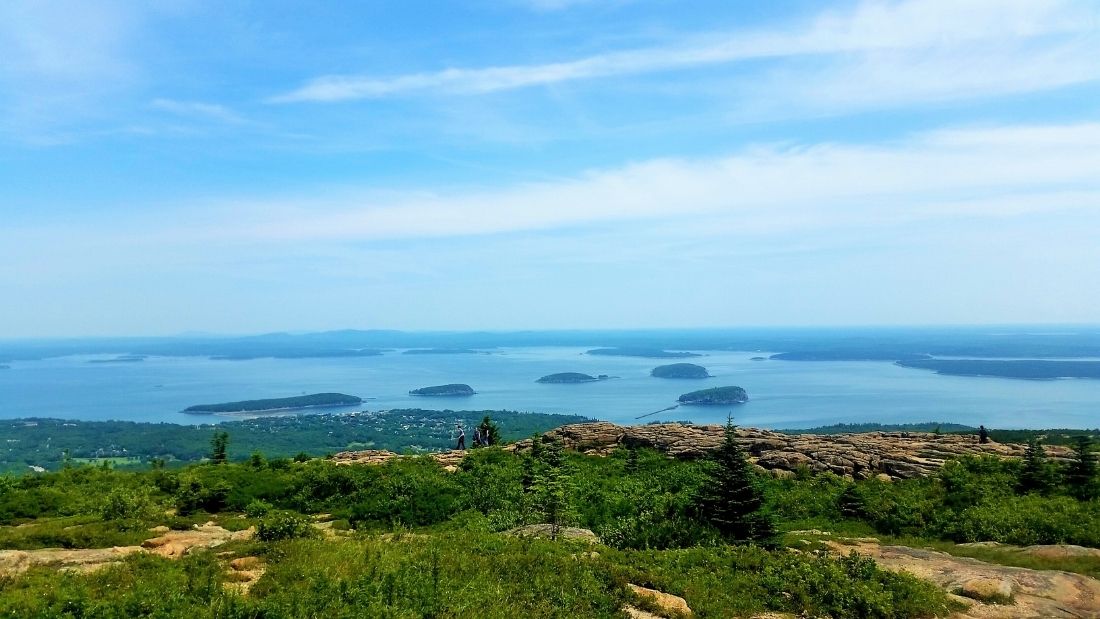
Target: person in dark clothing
x=983 y=435
x=477 y=436
x=461 y=437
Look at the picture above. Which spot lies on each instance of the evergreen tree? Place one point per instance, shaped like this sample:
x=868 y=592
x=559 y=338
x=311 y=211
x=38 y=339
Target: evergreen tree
x=632 y=461
x=550 y=488
x=851 y=503
x=490 y=433
x=218 y=445
x=1035 y=475
x=1081 y=472
x=731 y=500
x=531 y=463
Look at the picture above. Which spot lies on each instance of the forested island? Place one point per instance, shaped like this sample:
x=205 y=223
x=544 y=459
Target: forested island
x=651 y=353
x=715 y=396
x=571 y=377
x=445 y=390
x=315 y=400
x=1034 y=369
x=680 y=370
x=303 y=354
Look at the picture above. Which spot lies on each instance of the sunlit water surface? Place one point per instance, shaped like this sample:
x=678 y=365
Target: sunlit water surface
x=782 y=393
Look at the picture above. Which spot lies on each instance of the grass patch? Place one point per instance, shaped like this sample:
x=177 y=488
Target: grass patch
x=73 y=532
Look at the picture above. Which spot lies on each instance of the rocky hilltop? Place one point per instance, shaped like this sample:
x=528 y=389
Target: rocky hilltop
x=887 y=455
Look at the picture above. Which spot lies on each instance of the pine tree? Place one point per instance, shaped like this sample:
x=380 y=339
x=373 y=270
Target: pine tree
x=531 y=462
x=632 y=461
x=550 y=488
x=851 y=503
x=1081 y=472
x=218 y=445
x=490 y=433
x=731 y=501
x=1036 y=474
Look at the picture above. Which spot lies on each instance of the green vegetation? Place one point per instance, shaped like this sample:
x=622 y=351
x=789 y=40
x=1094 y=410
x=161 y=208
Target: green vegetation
x=1033 y=369
x=45 y=442
x=636 y=351
x=567 y=377
x=421 y=541
x=444 y=390
x=680 y=370
x=715 y=395
x=427 y=542
x=315 y=400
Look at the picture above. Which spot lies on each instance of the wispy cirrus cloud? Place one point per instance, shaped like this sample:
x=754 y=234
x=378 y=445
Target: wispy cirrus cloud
x=879 y=36
x=198 y=110
x=972 y=172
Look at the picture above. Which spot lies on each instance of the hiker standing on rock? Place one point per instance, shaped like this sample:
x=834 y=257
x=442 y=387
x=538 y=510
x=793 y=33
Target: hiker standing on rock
x=461 y=437
x=477 y=436
x=983 y=435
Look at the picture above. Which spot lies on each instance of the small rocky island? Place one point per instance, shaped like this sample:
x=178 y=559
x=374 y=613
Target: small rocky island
x=444 y=390
x=715 y=396
x=571 y=378
x=316 y=400
x=680 y=370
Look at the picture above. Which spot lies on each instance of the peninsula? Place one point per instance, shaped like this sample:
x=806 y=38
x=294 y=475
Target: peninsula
x=316 y=400
x=715 y=396
x=571 y=377
x=444 y=390
x=1033 y=369
x=680 y=370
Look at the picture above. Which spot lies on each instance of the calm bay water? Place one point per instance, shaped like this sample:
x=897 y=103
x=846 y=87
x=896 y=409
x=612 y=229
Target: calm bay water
x=783 y=393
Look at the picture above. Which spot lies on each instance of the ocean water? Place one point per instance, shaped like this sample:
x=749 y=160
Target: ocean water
x=783 y=394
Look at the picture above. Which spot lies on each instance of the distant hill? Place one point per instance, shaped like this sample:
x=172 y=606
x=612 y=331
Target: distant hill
x=315 y=400
x=680 y=370
x=444 y=390
x=652 y=353
x=715 y=396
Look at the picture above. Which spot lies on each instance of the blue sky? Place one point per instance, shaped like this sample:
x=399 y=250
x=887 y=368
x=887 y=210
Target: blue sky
x=501 y=164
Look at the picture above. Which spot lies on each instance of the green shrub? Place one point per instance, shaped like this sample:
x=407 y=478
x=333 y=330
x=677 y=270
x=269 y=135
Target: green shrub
x=284 y=525
x=257 y=508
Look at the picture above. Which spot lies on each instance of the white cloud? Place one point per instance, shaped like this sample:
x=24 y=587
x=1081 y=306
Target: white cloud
x=986 y=172
x=198 y=109
x=881 y=37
